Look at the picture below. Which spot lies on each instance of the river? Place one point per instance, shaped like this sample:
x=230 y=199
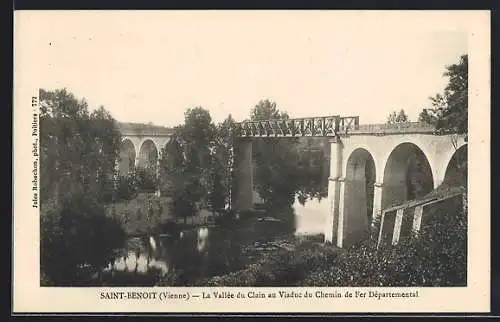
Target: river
x=207 y=251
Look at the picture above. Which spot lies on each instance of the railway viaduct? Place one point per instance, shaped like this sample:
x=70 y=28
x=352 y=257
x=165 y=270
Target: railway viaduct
x=370 y=165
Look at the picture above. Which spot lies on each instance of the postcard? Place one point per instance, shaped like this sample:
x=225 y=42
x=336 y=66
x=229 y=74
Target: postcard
x=251 y=161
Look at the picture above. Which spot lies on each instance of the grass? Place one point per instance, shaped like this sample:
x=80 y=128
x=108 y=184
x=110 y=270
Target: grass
x=284 y=267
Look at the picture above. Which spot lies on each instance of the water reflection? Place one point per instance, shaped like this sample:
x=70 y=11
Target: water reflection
x=310 y=218
x=202 y=238
x=203 y=251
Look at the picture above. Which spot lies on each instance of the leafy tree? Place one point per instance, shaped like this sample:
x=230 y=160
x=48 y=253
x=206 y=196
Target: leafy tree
x=78 y=152
x=145 y=179
x=197 y=136
x=222 y=165
x=189 y=181
x=449 y=109
x=313 y=167
x=78 y=148
x=127 y=187
x=395 y=118
x=76 y=237
x=276 y=174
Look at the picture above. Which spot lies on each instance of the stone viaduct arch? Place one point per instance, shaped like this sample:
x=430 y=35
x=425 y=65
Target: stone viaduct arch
x=127 y=157
x=409 y=162
x=372 y=167
x=142 y=145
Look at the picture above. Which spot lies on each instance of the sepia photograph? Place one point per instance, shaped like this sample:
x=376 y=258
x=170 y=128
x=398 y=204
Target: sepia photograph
x=250 y=149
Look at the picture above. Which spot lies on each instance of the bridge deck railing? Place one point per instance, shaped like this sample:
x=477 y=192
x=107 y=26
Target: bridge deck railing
x=309 y=126
x=328 y=126
x=406 y=218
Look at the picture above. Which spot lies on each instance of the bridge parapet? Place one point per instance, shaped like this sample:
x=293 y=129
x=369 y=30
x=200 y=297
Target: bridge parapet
x=141 y=129
x=396 y=128
x=328 y=126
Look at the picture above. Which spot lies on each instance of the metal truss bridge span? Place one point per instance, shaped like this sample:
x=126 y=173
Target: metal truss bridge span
x=327 y=126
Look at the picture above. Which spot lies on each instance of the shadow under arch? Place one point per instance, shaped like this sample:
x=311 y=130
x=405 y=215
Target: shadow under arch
x=148 y=156
x=358 y=195
x=127 y=157
x=407 y=175
x=456 y=170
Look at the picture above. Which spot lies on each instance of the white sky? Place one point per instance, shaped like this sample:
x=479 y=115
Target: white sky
x=150 y=66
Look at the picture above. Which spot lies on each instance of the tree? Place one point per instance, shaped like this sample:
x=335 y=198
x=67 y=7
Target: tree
x=276 y=174
x=395 y=118
x=450 y=109
x=222 y=165
x=78 y=150
x=189 y=181
x=76 y=237
x=449 y=112
x=312 y=170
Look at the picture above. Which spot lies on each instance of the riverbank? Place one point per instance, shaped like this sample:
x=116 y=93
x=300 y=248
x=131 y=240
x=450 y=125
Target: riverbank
x=150 y=214
x=257 y=250
x=437 y=258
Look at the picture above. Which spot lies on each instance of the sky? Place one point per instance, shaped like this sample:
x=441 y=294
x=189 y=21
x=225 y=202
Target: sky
x=147 y=66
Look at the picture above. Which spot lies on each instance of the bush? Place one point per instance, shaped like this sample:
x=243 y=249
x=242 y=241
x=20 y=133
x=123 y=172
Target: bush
x=76 y=236
x=438 y=257
x=127 y=187
x=146 y=179
x=283 y=268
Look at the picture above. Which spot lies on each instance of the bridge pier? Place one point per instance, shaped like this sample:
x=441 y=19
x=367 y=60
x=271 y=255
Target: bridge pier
x=344 y=225
x=341 y=221
x=243 y=167
x=332 y=222
x=377 y=202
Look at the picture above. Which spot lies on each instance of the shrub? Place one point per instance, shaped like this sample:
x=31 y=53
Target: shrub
x=282 y=268
x=76 y=235
x=127 y=187
x=146 y=179
x=438 y=257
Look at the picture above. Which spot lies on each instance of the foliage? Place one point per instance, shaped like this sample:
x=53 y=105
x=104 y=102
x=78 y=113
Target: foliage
x=78 y=147
x=276 y=176
x=395 y=118
x=145 y=180
x=437 y=258
x=76 y=234
x=312 y=169
x=78 y=151
x=188 y=179
x=287 y=167
x=127 y=187
x=449 y=109
x=145 y=213
x=283 y=268
x=196 y=167
x=222 y=174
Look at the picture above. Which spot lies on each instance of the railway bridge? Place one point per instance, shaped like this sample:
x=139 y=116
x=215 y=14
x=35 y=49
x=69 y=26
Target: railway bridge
x=141 y=145
x=371 y=166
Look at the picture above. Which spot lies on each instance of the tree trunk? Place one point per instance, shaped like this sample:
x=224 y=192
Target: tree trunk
x=464 y=202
